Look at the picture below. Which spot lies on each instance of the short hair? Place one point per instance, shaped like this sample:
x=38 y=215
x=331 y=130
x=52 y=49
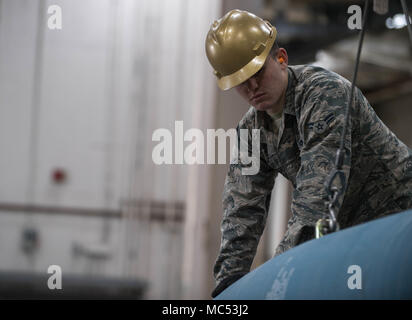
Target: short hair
x=274 y=50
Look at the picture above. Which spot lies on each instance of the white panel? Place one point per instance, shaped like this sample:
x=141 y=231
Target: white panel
x=18 y=20
x=58 y=234
x=170 y=21
x=106 y=85
x=123 y=87
x=176 y=83
x=202 y=99
x=73 y=106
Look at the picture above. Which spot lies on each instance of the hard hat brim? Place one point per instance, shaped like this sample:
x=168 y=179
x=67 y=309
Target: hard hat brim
x=236 y=78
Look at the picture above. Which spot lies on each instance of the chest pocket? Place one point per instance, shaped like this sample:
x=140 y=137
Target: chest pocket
x=286 y=158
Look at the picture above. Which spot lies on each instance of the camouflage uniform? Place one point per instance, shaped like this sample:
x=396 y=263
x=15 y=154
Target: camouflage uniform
x=377 y=167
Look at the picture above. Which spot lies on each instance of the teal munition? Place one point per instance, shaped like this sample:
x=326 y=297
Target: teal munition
x=379 y=252
x=377 y=167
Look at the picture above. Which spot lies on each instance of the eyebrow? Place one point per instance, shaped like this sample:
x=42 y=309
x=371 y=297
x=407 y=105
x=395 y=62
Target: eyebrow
x=260 y=70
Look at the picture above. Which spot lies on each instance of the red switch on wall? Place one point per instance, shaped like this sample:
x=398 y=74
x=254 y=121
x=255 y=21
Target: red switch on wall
x=59 y=175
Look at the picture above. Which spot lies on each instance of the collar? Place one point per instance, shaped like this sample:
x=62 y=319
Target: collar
x=289 y=107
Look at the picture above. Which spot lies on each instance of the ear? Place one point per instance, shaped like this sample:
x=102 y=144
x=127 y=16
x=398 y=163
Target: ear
x=282 y=56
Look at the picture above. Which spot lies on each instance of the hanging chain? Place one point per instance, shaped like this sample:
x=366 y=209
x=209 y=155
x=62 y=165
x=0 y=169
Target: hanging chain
x=328 y=223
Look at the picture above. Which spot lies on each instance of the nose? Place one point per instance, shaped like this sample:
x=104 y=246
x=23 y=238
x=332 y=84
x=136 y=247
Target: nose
x=252 y=84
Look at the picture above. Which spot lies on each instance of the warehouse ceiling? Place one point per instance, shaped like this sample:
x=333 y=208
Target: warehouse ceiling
x=306 y=26
x=316 y=31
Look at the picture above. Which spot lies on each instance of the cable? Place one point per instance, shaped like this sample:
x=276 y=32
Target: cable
x=329 y=223
x=408 y=21
x=355 y=75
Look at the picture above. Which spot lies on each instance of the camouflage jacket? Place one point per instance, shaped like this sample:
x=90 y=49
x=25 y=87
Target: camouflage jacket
x=377 y=167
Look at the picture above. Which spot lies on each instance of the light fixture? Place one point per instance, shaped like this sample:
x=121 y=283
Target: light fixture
x=398 y=21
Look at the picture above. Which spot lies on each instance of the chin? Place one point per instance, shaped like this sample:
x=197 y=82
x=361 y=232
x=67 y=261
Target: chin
x=262 y=106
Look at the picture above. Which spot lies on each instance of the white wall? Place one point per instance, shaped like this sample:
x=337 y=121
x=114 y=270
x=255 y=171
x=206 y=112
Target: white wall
x=87 y=99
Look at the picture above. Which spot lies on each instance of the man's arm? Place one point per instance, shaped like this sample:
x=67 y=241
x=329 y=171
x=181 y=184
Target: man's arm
x=321 y=121
x=246 y=200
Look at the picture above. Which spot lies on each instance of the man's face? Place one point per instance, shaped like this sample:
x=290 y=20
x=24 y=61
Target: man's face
x=265 y=90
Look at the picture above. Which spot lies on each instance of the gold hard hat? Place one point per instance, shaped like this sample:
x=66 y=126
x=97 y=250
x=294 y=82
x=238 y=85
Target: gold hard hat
x=237 y=46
